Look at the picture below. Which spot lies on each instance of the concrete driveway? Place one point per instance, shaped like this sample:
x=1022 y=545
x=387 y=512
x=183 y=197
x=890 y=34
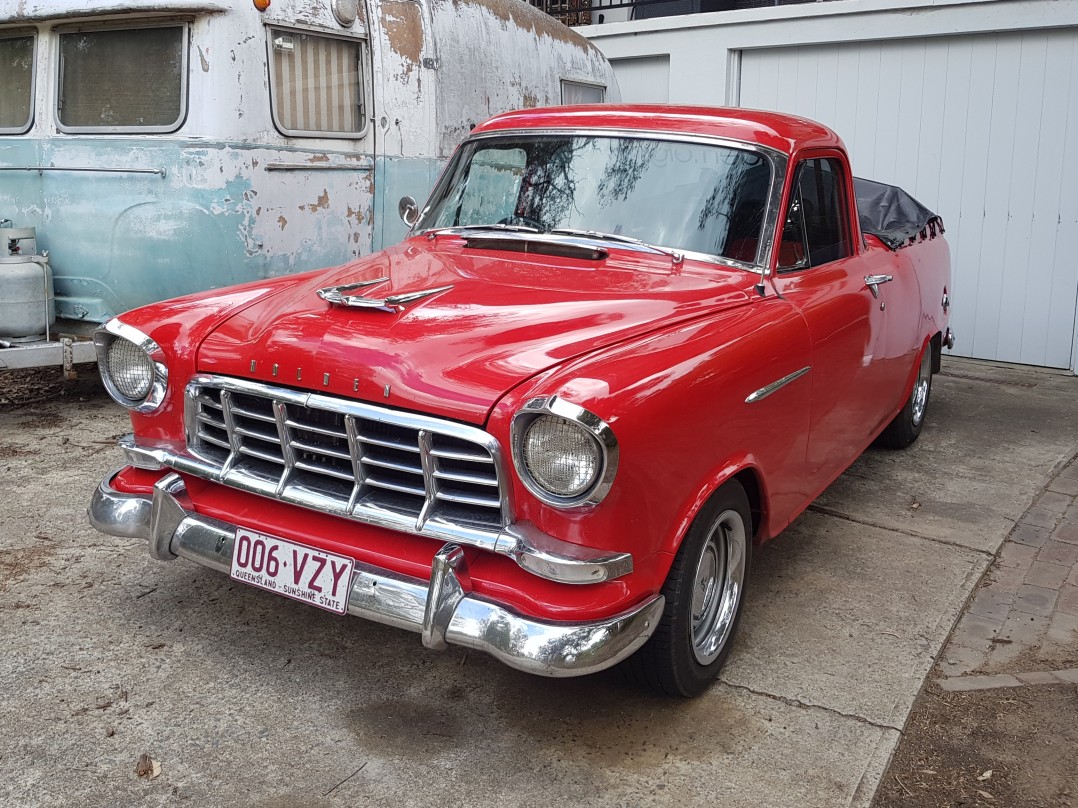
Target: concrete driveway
x=248 y=699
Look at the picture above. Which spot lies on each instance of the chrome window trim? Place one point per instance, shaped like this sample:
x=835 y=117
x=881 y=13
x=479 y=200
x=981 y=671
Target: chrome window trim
x=185 y=63
x=593 y=424
x=103 y=338
x=778 y=161
x=20 y=33
x=366 y=68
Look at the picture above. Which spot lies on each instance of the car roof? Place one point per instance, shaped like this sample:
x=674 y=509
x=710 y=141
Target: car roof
x=776 y=130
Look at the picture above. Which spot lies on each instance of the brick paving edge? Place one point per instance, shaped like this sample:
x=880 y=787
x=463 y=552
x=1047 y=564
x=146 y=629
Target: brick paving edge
x=961 y=684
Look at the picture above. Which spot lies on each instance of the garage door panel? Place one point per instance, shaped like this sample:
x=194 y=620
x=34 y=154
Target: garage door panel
x=982 y=128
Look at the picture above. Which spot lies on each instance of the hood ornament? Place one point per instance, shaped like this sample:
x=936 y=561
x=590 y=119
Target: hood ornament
x=340 y=296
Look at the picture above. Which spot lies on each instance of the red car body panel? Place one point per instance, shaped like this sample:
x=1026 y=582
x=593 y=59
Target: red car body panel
x=666 y=353
x=456 y=353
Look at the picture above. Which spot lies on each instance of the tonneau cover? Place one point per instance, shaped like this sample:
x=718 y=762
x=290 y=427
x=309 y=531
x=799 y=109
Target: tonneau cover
x=892 y=215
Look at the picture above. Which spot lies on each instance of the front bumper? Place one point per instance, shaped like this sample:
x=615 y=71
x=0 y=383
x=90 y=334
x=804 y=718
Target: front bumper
x=439 y=610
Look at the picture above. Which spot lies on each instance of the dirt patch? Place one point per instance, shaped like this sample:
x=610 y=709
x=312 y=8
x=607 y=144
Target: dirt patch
x=16 y=564
x=1011 y=747
x=22 y=388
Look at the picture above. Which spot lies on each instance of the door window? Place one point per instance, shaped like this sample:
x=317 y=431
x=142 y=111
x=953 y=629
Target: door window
x=815 y=231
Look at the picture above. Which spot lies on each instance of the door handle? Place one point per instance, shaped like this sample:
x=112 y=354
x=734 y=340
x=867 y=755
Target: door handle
x=873 y=282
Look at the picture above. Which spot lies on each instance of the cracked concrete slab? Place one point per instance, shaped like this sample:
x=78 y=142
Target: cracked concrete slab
x=850 y=617
x=250 y=700
x=247 y=699
x=993 y=435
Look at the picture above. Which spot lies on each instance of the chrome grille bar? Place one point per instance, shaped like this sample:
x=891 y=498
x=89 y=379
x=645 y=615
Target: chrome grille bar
x=368 y=463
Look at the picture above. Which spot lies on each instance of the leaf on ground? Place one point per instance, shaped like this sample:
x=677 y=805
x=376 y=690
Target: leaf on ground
x=986 y=776
x=147 y=767
x=986 y=795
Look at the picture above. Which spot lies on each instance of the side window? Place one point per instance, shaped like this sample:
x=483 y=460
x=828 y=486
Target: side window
x=490 y=192
x=316 y=84
x=815 y=227
x=17 y=85
x=128 y=79
x=576 y=92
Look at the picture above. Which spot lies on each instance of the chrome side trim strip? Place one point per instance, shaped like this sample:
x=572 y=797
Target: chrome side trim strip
x=94 y=169
x=440 y=610
x=764 y=392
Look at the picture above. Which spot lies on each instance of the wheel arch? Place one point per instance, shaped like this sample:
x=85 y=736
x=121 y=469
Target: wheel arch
x=743 y=471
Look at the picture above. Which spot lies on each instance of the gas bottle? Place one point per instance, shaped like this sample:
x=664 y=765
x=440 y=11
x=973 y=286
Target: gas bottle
x=27 y=304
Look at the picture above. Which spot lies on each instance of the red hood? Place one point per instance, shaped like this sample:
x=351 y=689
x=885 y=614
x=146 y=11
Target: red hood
x=507 y=317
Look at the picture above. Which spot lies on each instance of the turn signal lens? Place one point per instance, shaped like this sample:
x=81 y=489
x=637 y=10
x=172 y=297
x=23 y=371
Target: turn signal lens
x=262 y=5
x=561 y=457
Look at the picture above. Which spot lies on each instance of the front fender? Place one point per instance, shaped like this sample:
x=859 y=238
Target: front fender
x=676 y=402
x=179 y=326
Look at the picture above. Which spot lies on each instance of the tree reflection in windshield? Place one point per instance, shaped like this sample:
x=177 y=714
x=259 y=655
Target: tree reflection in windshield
x=627 y=163
x=694 y=197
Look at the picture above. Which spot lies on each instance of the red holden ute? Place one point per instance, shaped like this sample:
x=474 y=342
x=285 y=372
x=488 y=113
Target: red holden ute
x=621 y=346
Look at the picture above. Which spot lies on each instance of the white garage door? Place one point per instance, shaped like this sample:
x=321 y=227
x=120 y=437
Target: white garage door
x=984 y=130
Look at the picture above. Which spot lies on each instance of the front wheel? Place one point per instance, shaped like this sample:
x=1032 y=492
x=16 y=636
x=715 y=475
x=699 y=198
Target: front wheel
x=906 y=426
x=704 y=594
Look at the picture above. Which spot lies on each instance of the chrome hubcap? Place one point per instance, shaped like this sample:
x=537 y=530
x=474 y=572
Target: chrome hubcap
x=920 y=389
x=717 y=586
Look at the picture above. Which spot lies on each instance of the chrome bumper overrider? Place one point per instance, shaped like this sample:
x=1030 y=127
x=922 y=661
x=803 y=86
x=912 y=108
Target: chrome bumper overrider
x=440 y=610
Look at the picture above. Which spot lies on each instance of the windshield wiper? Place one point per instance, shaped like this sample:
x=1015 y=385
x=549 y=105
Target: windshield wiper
x=513 y=228
x=675 y=256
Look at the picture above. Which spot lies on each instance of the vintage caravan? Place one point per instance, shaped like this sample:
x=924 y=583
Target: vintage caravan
x=152 y=149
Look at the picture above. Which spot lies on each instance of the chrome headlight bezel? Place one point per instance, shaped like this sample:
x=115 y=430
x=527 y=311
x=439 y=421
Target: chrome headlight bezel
x=114 y=330
x=596 y=428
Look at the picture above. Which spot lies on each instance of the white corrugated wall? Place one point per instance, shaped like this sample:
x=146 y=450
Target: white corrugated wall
x=970 y=106
x=983 y=129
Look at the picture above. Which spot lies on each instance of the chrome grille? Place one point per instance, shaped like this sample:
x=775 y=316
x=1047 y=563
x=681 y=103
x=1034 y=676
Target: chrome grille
x=369 y=463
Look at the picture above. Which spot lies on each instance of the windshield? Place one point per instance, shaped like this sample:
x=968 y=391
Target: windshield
x=692 y=197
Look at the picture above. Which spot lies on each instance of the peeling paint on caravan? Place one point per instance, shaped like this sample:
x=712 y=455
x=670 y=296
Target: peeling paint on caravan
x=235 y=188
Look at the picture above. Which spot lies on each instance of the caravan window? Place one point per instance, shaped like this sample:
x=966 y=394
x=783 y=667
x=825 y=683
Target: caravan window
x=575 y=92
x=17 y=86
x=316 y=84
x=127 y=79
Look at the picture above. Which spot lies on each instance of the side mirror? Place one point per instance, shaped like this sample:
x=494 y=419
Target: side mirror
x=408 y=210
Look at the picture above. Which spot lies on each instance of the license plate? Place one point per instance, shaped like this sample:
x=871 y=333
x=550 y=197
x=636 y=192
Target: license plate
x=293 y=570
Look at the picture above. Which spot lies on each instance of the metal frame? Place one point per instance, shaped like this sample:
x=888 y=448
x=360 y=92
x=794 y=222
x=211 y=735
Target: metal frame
x=595 y=426
x=365 y=68
x=20 y=33
x=185 y=33
x=104 y=337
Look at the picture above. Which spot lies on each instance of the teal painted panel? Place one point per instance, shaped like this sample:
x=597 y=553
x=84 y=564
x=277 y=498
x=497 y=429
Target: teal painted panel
x=396 y=177
x=212 y=216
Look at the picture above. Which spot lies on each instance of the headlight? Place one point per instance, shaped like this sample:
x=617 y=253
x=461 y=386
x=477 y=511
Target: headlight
x=561 y=456
x=130 y=369
x=564 y=454
x=132 y=366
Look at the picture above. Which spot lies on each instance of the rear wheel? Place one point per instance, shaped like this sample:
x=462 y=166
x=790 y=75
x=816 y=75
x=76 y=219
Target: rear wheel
x=906 y=426
x=704 y=594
